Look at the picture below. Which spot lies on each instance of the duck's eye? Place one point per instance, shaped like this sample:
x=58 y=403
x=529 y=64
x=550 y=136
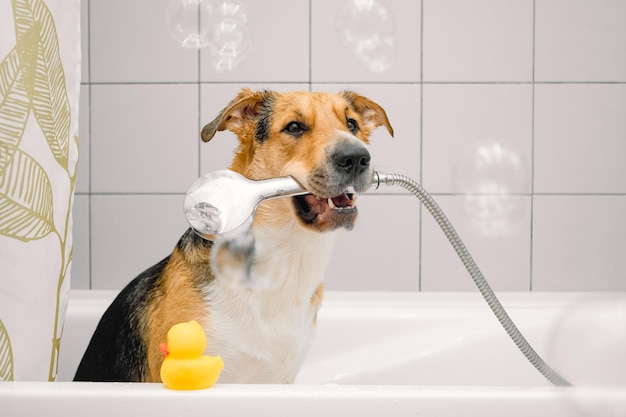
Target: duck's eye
x=295 y=129
x=352 y=125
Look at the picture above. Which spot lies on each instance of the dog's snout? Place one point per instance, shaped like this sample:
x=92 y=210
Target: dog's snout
x=351 y=159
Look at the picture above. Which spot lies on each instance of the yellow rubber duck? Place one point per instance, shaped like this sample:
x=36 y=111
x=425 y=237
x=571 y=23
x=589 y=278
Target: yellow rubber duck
x=184 y=366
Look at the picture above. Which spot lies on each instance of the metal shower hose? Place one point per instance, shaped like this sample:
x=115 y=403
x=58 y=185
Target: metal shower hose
x=469 y=263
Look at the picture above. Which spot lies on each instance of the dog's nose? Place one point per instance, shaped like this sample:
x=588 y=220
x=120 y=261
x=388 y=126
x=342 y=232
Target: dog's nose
x=351 y=159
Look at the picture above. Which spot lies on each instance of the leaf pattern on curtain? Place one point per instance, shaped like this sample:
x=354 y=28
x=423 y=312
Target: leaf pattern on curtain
x=14 y=107
x=47 y=90
x=6 y=355
x=32 y=80
x=25 y=199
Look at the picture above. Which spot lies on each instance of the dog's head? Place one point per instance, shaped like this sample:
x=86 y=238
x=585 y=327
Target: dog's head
x=317 y=138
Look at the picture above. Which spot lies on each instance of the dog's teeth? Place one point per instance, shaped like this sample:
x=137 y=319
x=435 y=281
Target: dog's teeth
x=330 y=203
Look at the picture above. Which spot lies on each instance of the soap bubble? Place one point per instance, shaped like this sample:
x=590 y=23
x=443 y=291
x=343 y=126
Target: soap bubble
x=220 y=26
x=492 y=178
x=228 y=30
x=183 y=22
x=366 y=27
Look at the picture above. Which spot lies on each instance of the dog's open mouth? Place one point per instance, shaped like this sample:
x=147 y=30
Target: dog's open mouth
x=312 y=208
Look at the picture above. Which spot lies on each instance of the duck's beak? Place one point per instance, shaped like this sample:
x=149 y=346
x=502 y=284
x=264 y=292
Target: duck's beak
x=163 y=347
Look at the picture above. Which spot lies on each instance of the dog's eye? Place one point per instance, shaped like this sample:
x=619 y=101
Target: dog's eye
x=295 y=129
x=352 y=125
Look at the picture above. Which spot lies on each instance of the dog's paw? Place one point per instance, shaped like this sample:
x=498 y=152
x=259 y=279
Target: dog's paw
x=233 y=258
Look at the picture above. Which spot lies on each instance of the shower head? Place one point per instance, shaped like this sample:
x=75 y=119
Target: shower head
x=223 y=202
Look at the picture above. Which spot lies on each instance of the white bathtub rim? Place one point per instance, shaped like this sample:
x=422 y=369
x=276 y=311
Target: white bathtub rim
x=103 y=298
x=103 y=399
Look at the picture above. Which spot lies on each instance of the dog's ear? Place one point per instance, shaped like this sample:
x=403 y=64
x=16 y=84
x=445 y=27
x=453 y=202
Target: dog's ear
x=244 y=108
x=371 y=113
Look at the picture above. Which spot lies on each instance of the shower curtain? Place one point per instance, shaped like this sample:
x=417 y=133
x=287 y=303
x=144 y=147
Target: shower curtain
x=39 y=91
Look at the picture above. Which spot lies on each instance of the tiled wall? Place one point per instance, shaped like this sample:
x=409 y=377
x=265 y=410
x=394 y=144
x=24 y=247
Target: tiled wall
x=523 y=96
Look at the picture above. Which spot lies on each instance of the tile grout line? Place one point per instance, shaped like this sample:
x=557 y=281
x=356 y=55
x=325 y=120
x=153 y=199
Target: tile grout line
x=421 y=148
x=309 y=81
x=89 y=158
x=532 y=158
x=310 y=45
x=199 y=85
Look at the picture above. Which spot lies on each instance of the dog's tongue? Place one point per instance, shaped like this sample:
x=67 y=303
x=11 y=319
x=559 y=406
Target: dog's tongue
x=341 y=200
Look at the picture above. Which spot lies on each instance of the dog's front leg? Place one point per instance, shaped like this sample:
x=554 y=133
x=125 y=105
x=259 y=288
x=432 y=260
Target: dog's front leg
x=233 y=257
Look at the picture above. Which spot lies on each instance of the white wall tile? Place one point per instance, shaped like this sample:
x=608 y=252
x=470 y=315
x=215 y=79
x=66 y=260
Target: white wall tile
x=578 y=243
x=400 y=153
x=480 y=40
x=144 y=138
x=333 y=60
x=381 y=253
x=580 y=40
x=130 y=42
x=81 y=241
x=132 y=233
x=579 y=138
x=278 y=50
x=84 y=40
x=502 y=253
x=457 y=119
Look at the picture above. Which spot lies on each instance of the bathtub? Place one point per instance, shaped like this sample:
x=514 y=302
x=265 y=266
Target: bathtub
x=384 y=354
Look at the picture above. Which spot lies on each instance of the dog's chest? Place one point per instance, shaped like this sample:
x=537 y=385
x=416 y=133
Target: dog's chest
x=263 y=334
x=260 y=342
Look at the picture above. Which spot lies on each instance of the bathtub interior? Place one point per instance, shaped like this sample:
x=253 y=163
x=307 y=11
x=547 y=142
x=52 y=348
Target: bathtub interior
x=433 y=339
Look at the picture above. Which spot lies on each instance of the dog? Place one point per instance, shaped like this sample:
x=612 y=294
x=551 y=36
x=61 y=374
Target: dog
x=262 y=332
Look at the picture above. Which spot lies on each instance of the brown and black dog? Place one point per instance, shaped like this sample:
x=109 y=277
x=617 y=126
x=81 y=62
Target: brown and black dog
x=261 y=332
